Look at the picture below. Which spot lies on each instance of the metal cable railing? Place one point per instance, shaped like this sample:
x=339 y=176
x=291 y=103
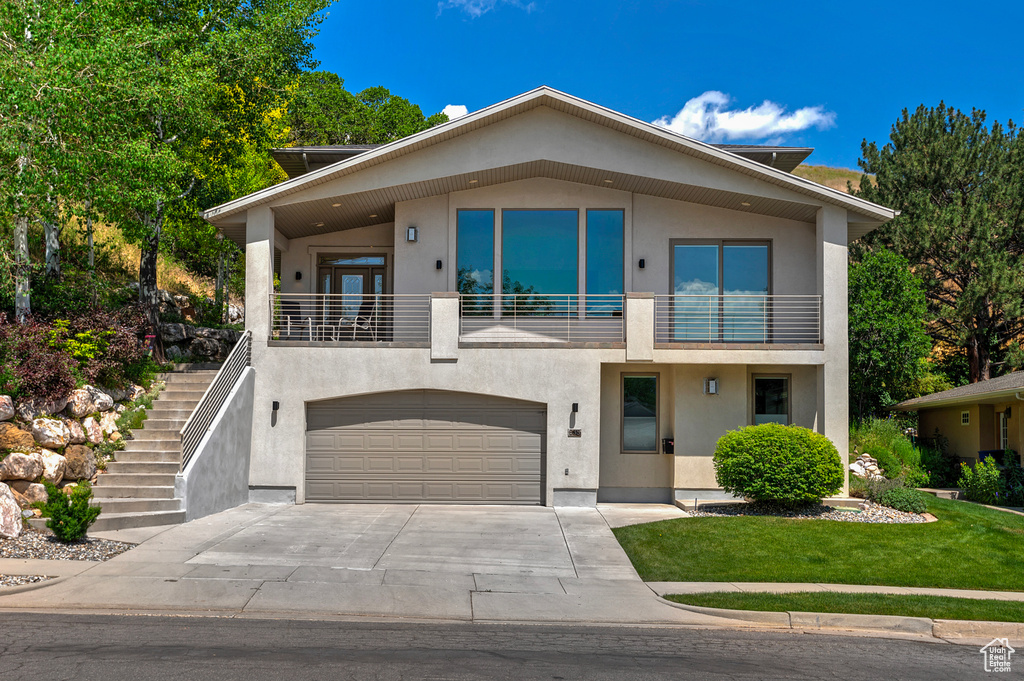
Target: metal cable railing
x=541 y=318
x=343 y=317
x=737 y=319
x=212 y=401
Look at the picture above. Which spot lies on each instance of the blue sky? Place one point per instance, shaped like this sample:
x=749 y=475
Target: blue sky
x=820 y=74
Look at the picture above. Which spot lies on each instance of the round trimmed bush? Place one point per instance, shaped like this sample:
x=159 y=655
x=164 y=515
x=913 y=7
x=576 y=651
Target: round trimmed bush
x=786 y=465
x=904 y=499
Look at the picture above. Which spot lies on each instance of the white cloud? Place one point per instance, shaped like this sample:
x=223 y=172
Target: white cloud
x=476 y=8
x=706 y=118
x=454 y=111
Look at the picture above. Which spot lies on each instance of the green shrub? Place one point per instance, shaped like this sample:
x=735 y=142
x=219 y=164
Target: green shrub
x=69 y=517
x=982 y=482
x=943 y=468
x=1013 y=482
x=904 y=499
x=890 y=465
x=787 y=465
x=875 y=490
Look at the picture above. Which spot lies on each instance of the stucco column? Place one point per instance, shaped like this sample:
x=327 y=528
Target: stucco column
x=259 y=271
x=444 y=326
x=639 y=322
x=834 y=376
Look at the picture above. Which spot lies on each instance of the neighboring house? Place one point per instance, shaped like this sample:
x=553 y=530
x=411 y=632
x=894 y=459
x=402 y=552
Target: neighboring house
x=529 y=304
x=980 y=417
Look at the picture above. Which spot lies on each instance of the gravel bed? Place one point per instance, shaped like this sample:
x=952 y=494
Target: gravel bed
x=21 y=580
x=874 y=513
x=38 y=544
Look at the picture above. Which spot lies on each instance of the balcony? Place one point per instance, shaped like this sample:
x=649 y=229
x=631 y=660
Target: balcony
x=541 y=320
x=445 y=322
x=685 y=320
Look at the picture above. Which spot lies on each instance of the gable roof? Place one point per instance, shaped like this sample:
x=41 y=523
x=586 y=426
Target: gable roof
x=298 y=161
x=991 y=390
x=560 y=101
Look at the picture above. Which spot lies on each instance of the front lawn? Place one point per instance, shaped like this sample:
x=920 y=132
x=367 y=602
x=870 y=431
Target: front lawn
x=970 y=547
x=935 y=607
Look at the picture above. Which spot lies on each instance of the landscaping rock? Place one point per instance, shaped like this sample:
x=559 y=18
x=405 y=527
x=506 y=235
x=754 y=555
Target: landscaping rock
x=30 y=492
x=81 y=464
x=51 y=433
x=108 y=422
x=77 y=431
x=68 y=487
x=93 y=430
x=120 y=409
x=29 y=410
x=207 y=348
x=21 y=466
x=115 y=437
x=135 y=392
x=54 y=466
x=88 y=400
x=6 y=408
x=10 y=514
x=14 y=438
x=176 y=333
x=236 y=314
x=866 y=468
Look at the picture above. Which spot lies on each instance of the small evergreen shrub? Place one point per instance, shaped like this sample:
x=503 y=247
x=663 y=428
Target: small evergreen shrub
x=943 y=468
x=69 y=516
x=904 y=499
x=981 y=483
x=787 y=465
x=1013 y=482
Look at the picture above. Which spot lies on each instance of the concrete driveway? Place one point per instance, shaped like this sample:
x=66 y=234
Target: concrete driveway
x=480 y=563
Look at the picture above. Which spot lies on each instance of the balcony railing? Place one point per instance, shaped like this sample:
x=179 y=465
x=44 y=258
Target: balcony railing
x=753 y=319
x=350 y=318
x=541 y=318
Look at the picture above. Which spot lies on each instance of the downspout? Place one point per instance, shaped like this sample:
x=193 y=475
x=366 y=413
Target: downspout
x=305 y=161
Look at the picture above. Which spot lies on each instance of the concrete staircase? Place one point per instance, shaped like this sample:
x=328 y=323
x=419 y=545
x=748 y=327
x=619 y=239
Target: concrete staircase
x=137 y=489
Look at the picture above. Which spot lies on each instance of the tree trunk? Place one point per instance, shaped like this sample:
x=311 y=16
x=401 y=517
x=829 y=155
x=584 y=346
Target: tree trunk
x=22 y=302
x=92 y=260
x=979 y=360
x=149 y=295
x=51 y=231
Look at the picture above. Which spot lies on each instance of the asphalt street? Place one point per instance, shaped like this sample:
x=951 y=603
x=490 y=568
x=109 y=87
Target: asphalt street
x=115 y=648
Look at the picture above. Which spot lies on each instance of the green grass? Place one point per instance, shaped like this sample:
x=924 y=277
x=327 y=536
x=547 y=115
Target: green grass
x=935 y=607
x=970 y=547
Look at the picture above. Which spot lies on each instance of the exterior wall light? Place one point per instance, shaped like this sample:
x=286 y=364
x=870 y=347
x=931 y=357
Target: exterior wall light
x=575 y=407
x=439 y=265
x=642 y=263
x=412 y=234
x=276 y=405
x=710 y=386
x=298 y=276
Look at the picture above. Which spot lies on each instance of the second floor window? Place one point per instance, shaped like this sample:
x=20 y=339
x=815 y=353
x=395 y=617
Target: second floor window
x=539 y=251
x=475 y=251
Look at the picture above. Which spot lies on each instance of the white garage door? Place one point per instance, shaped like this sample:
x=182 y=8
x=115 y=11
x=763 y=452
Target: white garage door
x=425 y=446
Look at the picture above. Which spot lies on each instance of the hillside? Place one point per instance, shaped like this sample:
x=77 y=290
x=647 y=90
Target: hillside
x=836 y=178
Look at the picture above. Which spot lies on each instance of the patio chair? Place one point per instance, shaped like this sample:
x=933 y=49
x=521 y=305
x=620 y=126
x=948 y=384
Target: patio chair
x=293 y=323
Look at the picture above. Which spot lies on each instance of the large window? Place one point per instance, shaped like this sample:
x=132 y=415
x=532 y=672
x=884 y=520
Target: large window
x=475 y=251
x=640 y=413
x=771 y=399
x=725 y=285
x=539 y=251
x=604 y=260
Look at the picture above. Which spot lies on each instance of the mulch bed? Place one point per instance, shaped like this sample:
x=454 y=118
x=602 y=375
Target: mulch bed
x=874 y=513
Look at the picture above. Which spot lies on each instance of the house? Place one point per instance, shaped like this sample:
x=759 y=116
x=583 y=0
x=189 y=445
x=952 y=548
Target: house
x=980 y=417
x=542 y=302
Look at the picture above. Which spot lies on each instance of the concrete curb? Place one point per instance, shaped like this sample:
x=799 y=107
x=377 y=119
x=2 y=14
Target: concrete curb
x=921 y=626
x=7 y=590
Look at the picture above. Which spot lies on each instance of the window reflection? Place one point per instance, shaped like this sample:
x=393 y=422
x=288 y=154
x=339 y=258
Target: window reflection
x=604 y=260
x=771 y=400
x=640 y=413
x=539 y=251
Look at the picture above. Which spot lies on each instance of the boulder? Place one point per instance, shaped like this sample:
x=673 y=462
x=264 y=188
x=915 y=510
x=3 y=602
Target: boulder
x=176 y=333
x=31 y=492
x=208 y=348
x=6 y=408
x=54 y=466
x=10 y=514
x=68 y=487
x=236 y=314
x=120 y=409
x=135 y=392
x=93 y=430
x=117 y=394
x=108 y=422
x=81 y=464
x=223 y=335
x=51 y=433
x=174 y=353
x=88 y=400
x=77 y=431
x=29 y=410
x=14 y=438
x=21 y=466
x=115 y=437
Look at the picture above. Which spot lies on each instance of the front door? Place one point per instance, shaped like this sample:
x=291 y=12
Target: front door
x=355 y=285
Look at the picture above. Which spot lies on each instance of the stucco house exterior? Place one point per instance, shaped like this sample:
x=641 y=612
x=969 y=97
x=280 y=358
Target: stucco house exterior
x=980 y=417
x=542 y=302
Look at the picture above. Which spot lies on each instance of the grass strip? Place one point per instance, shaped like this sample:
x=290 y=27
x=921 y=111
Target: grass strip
x=970 y=547
x=934 y=607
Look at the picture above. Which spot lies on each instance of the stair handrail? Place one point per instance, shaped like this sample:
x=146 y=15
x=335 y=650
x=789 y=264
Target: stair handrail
x=212 y=401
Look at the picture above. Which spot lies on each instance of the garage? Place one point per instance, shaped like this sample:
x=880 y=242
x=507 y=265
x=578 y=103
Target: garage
x=425 y=446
